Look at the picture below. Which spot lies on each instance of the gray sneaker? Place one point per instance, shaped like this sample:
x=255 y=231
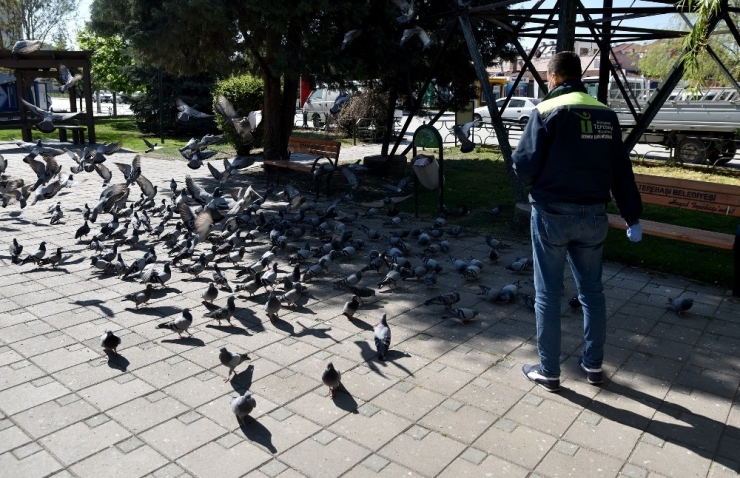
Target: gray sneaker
x=534 y=374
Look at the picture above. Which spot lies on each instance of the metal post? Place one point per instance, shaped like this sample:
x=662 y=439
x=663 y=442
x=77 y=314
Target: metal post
x=567 y=26
x=498 y=125
x=606 y=35
x=161 y=130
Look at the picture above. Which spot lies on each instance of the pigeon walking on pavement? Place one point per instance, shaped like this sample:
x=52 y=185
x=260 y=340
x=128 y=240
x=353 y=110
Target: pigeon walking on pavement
x=273 y=306
x=231 y=360
x=680 y=304
x=110 y=342
x=180 y=324
x=35 y=256
x=141 y=297
x=223 y=313
x=243 y=405
x=382 y=337
x=331 y=378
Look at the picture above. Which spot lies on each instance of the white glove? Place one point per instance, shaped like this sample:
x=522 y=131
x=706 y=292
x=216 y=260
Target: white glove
x=634 y=232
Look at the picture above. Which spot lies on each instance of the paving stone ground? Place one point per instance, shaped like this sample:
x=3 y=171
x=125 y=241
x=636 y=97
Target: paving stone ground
x=449 y=402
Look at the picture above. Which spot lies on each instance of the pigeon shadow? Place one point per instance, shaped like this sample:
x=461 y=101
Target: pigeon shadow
x=318 y=333
x=370 y=357
x=344 y=399
x=258 y=433
x=75 y=261
x=191 y=341
x=283 y=325
x=361 y=324
x=242 y=381
x=96 y=303
x=117 y=361
x=45 y=269
x=229 y=329
x=162 y=311
x=8 y=229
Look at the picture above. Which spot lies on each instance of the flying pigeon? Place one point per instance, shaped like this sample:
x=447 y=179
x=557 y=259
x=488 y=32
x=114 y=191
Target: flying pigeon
x=47 y=117
x=382 y=337
x=68 y=79
x=224 y=107
x=180 y=324
x=231 y=360
x=223 y=313
x=243 y=405
x=188 y=112
x=462 y=133
x=416 y=31
x=349 y=37
x=150 y=146
x=110 y=342
x=331 y=378
x=26 y=46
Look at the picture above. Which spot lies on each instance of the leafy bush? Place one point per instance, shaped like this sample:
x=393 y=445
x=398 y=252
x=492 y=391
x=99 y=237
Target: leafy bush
x=370 y=103
x=245 y=93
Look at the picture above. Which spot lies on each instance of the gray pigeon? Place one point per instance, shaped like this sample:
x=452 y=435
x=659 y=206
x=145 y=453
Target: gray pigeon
x=273 y=306
x=223 y=313
x=331 y=378
x=231 y=360
x=243 y=405
x=465 y=314
x=680 y=304
x=210 y=294
x=382 y=337
x=180 y=324
x=26 y=46
x=186 y=112
x=140 y=297
x=350 y=308
x=445 y=299
x=36 y=256
x=110 y=342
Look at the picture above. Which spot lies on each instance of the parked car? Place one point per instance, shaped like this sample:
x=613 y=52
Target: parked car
x=318 y=104
x=106 y=97
x=519 y=109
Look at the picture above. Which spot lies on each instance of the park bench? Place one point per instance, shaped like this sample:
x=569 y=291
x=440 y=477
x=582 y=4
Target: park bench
x=694 y=196
x=10 y=120
x=304 y=156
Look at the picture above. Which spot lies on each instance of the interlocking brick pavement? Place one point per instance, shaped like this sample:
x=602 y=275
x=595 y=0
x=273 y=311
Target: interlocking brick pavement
x=449 y=402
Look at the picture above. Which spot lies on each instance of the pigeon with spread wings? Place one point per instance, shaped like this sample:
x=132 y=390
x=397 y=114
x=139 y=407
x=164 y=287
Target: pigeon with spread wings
x=150 y=146
x=68 y=79
x=47 y=117
x=187 y=112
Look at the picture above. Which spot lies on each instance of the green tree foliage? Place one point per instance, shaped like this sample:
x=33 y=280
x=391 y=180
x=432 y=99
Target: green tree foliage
x=284 y=39
x=34 y=19
x=245 y=92
x=700 y=67
x=109 y=61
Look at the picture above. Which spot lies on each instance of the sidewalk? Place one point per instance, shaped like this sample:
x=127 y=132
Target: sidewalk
x=449 y=402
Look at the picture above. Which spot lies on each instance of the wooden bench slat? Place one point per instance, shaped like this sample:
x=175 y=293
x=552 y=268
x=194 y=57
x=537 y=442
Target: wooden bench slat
x=680 y=233
x=721 y=208
x=688 y=184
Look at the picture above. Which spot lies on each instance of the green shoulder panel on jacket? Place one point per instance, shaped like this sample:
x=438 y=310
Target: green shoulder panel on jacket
x=576 y=98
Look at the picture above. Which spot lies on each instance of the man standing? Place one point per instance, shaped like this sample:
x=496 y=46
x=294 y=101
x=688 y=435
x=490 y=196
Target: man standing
x=571 y=154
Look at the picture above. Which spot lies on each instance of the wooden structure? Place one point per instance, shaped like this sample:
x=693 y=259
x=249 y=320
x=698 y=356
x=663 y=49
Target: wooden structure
x=693 y=196
x=45 y=64
x=318 y=148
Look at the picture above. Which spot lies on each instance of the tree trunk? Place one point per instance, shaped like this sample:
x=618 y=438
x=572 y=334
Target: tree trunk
x=389 y=115
x=113 y=98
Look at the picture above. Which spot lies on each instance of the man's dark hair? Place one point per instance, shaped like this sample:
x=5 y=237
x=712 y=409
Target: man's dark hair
x=566 y=64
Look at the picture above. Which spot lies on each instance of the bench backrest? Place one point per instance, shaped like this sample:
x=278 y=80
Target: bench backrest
x=319 y=147
x=688 y=194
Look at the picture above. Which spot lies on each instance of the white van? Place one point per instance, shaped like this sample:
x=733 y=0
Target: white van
x=318 y=104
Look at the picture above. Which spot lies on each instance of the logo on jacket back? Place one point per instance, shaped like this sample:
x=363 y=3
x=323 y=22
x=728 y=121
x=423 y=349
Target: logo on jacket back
x=586 y=126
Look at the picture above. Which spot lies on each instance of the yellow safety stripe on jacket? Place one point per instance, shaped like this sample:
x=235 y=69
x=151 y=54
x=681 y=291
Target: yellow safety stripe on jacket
x=576 y=98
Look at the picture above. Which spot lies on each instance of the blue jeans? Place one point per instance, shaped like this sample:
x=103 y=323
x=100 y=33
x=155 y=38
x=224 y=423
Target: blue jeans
x=575 y=232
